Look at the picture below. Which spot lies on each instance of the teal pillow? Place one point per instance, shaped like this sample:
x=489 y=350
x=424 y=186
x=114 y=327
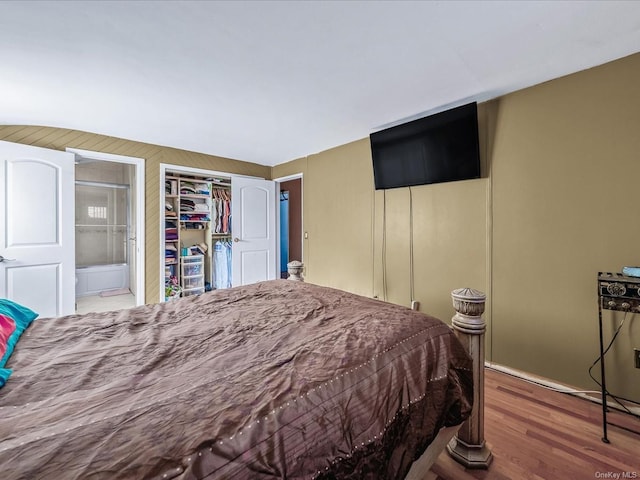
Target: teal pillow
x=23 y=317
x=4 y=376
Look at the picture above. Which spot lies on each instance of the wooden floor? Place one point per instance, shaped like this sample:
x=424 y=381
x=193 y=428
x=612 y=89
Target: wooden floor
x=535 y=433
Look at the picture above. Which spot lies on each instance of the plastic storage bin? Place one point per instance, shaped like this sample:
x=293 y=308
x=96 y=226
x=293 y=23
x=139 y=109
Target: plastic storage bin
x=193 y=291
x=192 y=259
x=193 y=282
x=191 y=269
x=192 y=275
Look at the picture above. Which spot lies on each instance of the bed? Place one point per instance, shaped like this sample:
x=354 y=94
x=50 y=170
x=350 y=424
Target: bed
x=277 y=379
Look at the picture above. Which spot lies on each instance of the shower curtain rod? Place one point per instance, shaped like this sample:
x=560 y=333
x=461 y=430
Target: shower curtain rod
x=88 y=183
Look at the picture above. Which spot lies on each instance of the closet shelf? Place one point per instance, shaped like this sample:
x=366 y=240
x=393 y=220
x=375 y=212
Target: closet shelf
x=218 y=184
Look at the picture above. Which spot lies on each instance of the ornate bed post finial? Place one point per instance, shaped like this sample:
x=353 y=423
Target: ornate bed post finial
x=295 y=270
x=468 y=447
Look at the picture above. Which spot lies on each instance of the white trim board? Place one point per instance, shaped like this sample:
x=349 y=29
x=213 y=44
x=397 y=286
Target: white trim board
x=288 y=177
x=591 y=395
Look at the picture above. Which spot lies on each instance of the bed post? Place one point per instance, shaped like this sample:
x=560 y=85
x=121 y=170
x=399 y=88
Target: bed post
x=295 y=269
x=468 y=447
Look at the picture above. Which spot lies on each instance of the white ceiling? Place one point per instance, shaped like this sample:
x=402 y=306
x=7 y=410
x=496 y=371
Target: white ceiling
x=271 y=81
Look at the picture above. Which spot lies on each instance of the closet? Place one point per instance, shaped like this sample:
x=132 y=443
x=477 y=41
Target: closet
x=211 y=241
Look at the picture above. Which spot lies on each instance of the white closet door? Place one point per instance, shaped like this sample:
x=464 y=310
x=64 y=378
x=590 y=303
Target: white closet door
x=37 y=220
x=253 y=228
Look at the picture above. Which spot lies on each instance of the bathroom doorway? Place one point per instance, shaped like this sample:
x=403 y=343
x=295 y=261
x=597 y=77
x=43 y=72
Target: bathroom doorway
x=107 y=232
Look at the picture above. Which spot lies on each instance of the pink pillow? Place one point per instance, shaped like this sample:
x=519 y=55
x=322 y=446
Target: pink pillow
x=7 y=327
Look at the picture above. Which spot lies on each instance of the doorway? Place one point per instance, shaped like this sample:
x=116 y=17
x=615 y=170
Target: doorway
x=252 y=215
x=108 y=231
x=290 y=222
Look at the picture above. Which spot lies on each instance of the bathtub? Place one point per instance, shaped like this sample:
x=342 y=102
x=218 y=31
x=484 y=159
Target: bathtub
x=95 y=279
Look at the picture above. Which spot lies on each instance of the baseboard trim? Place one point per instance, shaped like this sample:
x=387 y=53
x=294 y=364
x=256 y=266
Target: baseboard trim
x=594 y=397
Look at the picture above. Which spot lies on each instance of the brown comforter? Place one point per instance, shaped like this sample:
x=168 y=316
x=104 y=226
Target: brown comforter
x=279 y=379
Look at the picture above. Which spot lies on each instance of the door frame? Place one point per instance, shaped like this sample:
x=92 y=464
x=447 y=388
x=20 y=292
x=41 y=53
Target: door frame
x=200 y=171
x=163 y=173
x=278 y=181
x=140 y=245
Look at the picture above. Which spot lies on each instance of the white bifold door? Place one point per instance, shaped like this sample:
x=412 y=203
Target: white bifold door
x=253 y=228
x=37 y=243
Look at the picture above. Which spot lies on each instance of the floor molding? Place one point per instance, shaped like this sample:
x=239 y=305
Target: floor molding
x=560 y=387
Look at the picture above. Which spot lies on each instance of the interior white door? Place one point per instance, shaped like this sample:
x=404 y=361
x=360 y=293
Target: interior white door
x=37 y=240
x=253 y=228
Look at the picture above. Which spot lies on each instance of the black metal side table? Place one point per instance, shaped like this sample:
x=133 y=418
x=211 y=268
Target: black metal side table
x=615 y=292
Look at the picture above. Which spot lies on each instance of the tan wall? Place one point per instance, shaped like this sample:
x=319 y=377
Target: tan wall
x=154 y=155
x=337 y=190
x=338 y=198
x=565 y=181
x=556 y=204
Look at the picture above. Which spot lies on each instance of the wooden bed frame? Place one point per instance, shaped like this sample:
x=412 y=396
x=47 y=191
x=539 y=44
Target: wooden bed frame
x=465 y=443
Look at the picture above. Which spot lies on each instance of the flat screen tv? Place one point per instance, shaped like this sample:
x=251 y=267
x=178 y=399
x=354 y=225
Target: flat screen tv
x=434 y=149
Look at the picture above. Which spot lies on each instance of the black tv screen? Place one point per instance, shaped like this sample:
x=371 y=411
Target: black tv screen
x=434 y=149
